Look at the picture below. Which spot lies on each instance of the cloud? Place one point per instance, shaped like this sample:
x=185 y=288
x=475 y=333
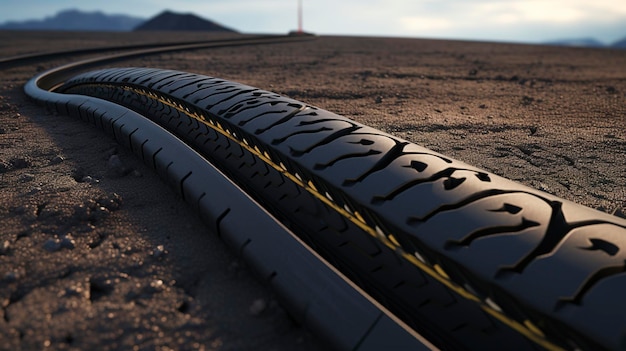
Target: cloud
x=421 y=24
x=510 y=20
x=528 y=20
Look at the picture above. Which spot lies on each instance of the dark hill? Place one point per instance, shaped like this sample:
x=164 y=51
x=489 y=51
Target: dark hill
x=171 y=21
x=621 y=44
x=77 y=20
x=581 y=42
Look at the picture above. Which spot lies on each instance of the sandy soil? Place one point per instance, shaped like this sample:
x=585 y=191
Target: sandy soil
x=96 y=252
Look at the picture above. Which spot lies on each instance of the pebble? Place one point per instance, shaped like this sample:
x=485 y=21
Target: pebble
x=98 y=213
x=52 y=245
x=543 y=187
x=111 y=202
x=57 y=159
x=10 y=277
x=257 y=307
x=75 y=291
x=115 y=167
x=89 y=180
x=159 y=251
x=27 y=177
x=154 y=287
x=157 y=285
x=20 y=162
x=67 y=242
x=34 y=190
x=4 y=248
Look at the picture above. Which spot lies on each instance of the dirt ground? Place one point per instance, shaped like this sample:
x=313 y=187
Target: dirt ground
x=96 y=252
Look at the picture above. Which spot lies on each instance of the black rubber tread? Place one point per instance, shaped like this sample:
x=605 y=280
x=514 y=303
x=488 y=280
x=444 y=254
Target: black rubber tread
x=340 y=241
x=314 y=292
x=551 y=267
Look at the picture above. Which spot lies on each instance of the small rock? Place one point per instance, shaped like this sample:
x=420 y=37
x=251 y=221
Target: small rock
x=78 y=174
x=114 y=161
x=527 y=100
x=110 y=152
x=27 y=177
x=75 y=291
x=257 y=307
x=483 y=106
x=379 y=99
x=115 y=167
x=89 y=180
x=82 y=212
x=57 y=159
x=4 y=247
x=159 y=251
x=67 y=242
x=34 y=190
x=473 y=72
x=100 y=287
x=157 y=285
x=10 y=277
x=52 y=245
x=98 y=213
x=111 y=202
x=20 y=162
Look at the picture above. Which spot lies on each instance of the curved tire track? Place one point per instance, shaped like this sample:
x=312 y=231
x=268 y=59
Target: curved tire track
x=393 y=215
x=315 y=293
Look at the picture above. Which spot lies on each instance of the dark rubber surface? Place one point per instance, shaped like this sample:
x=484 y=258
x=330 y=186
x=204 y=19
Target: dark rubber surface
x=469 y=259
x=315 y=294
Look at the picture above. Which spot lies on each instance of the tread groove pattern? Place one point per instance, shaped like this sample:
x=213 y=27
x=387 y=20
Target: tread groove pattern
x=392 y=214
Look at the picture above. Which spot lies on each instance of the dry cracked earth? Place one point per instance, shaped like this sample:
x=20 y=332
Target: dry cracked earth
x=97 y=252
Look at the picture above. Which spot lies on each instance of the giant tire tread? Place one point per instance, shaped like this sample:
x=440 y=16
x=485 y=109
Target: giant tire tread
x=489 y=237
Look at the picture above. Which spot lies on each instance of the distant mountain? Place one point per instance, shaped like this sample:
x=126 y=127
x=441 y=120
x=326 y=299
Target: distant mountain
x=78 y=20
x=620 y=44
x=582 y=42
x=589 y=43
x=170 y=21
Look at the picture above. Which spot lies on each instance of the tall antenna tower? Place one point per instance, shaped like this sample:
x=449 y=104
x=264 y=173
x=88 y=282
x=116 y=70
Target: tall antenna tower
x=300 y=16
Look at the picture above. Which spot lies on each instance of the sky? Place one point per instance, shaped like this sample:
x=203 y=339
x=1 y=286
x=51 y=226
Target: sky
x=531 y=21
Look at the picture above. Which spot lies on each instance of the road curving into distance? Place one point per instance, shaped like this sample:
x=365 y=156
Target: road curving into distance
x=459 y=256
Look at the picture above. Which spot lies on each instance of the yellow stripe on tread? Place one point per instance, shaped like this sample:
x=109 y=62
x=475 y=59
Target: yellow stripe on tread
x=527 y=328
